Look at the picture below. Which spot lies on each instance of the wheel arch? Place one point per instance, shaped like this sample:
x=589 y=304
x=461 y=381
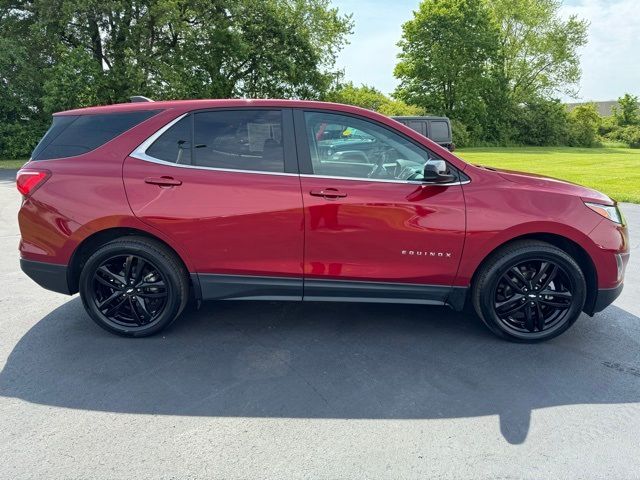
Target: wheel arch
x=570 y=247
x=94 y=241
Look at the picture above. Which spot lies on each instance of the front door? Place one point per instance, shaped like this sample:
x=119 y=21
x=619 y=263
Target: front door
x=223 y=184
x=374 y=230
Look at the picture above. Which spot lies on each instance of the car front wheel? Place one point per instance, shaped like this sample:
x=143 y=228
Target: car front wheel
x=134 y=286
x=529 y=291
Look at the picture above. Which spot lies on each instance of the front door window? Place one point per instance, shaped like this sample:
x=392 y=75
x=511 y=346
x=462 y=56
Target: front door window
x=345 y=146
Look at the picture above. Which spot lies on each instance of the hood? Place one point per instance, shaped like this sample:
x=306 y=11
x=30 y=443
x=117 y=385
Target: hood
x=550 y=184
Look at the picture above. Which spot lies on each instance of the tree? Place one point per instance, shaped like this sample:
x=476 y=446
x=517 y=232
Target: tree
x=628 y=110
x=68 y=53
x=538 y=49
x=372 y=99
x=22 y=63
x=446 y=53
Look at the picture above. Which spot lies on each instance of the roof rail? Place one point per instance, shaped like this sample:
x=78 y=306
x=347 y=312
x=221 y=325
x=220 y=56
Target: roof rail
x=139 y=98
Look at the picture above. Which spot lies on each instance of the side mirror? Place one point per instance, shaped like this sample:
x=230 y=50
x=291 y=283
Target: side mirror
x=436 y=172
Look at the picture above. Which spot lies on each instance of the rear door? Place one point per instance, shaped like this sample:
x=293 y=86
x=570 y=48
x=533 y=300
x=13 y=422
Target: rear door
x=224 y=185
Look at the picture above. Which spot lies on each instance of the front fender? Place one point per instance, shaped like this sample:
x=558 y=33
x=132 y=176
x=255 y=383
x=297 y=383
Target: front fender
x=480 y=245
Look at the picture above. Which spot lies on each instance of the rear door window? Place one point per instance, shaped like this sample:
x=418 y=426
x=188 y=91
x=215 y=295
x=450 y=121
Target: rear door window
x=239 y=140
x=72 y=135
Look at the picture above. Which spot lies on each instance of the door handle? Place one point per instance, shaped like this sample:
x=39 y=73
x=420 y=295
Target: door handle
x=328 y=193
x=163 y=181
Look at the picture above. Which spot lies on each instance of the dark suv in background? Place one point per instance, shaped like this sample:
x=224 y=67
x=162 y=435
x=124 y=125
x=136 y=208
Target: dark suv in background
x=437 y=129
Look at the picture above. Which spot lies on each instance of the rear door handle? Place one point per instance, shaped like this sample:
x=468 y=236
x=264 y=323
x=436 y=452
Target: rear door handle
x=329 y=193
x=163 y=181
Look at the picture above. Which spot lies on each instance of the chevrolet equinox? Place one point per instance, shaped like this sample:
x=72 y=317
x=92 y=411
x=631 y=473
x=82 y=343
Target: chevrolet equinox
x=142 y=206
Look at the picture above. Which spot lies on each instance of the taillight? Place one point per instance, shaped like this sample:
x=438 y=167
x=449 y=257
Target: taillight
x=28 y=181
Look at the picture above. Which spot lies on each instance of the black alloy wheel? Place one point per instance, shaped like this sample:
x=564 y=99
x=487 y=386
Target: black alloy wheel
x=134 y=286
x=529 y=291
x=533 y=296
x=129 y=290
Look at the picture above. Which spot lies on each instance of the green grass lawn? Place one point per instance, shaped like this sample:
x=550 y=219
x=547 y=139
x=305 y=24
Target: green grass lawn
x=11 y=164
x=614 y=171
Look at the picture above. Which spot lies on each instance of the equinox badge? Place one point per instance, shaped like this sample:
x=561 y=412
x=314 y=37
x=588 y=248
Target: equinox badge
x=424 y=253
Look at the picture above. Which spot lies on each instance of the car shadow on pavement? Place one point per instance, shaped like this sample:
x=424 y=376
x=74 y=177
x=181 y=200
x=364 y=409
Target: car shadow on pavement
x=317 y=360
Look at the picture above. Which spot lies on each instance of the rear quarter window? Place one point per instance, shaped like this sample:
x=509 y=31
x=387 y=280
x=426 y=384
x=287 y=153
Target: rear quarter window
x=440 y=131
x=417 y=126
x=72 y=135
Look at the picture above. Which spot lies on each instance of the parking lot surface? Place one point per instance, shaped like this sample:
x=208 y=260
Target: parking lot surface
x=314 y=390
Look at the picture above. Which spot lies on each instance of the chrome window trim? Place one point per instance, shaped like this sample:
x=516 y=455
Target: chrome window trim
x=141 y=151
x=141 y=154
x=147 y=158
x=383 y=180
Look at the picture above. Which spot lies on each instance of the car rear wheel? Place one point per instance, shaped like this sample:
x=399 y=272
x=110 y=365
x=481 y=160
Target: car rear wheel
x=134 y=286
x=529 y=291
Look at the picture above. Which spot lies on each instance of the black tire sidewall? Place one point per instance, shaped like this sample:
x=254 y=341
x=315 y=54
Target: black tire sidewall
x=174 y=304
x=495 y=272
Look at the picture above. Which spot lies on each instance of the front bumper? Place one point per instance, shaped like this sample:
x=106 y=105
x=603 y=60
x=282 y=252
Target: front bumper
x=48 y=275
x=604 y=298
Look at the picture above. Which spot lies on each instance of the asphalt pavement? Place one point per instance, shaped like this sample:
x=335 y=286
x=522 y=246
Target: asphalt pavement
x=311 y=390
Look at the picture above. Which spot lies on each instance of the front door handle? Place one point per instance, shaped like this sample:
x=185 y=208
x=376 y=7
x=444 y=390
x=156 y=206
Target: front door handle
x=163 y=181
x=328 y=193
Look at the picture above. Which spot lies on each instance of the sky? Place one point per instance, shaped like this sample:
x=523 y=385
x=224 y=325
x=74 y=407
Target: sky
x=610 y=61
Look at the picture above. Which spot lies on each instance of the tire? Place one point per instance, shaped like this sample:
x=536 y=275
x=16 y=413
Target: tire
x=134 y=286
x=519 y=307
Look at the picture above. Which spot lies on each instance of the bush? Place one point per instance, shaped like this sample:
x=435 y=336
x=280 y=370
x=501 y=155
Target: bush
x=17 y=140
x=629 y=135
x=461 y=136
x=542 y=123
x=607 y=125
x=583 y=125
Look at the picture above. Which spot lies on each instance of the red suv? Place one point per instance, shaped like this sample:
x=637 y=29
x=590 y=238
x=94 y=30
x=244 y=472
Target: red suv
x=141 y=206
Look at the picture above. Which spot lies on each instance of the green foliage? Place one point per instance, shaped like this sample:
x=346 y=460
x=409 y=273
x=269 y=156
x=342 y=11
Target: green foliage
x=542 y=122
x=372 y=99
x=538 y=48
x=607 y=125
x=24 y=60
x=461 y=137
x=628 y=111
x=629 y=135
x=72 y=53
x=446 y=50
x=584 y=122
x=624 y=125
x=75 y=80
x=494 y=65
x=17 y=139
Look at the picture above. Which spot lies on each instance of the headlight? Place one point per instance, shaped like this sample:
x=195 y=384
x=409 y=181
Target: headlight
x=607 y=211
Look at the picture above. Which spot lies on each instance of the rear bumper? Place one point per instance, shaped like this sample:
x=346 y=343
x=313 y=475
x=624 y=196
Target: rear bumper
x=605 y=297
x=48 y=275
